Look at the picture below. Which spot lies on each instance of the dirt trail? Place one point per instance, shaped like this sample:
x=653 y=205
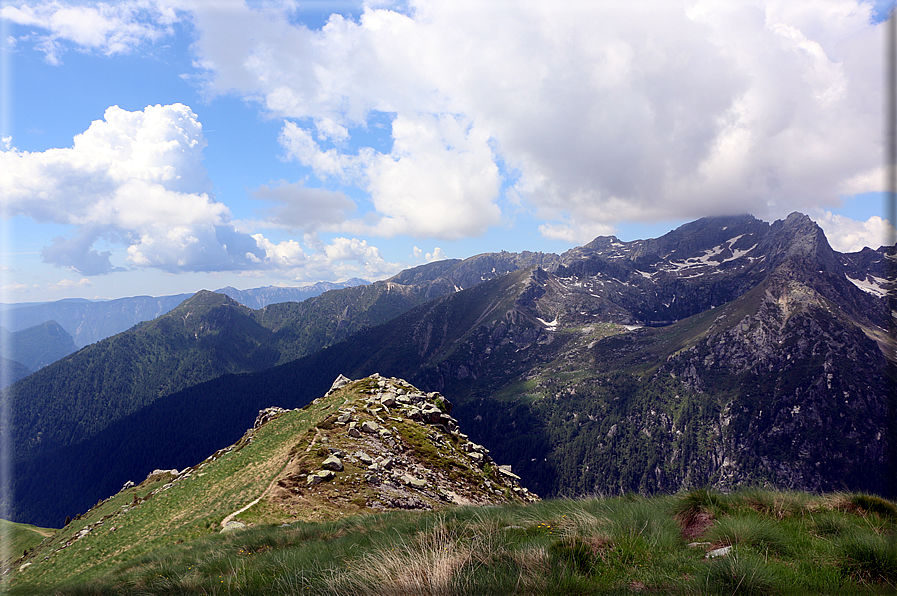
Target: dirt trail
x=231 y=516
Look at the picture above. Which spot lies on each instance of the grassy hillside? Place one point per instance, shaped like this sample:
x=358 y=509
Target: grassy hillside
x=748 y=542
x=15 y=539
x=414 y=458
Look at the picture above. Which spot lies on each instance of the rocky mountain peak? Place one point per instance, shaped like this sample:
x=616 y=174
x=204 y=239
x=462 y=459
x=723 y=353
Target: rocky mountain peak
x=369 y=445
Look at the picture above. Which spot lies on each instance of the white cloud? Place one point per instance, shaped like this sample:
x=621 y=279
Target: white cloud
x=587 y=113
x=601 y=111
x=342 y=258
x=576 y=233
x=135 y=178
x=107 y=27
x=68 y=284
x=440 y=179
x=18 y=288
x=849 y=235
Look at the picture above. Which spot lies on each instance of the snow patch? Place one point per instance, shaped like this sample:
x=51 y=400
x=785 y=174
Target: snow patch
x=874 y=287
x=550 y=326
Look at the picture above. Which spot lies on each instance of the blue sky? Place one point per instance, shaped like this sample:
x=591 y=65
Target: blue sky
x=164 y=146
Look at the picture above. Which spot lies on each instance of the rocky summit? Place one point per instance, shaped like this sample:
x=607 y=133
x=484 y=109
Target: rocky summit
x=383 y=444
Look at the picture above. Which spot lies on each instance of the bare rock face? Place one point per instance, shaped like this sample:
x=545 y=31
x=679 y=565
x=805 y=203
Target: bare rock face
x=391 y=446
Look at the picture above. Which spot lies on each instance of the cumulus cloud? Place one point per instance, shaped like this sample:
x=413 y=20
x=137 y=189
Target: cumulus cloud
x=440 y=179
x=135 y=178
x=78 y=255
x=849 y=235
x=106 y=27
x=582 y=113
x=67 y=284
x=597 y=112
x=342 y=258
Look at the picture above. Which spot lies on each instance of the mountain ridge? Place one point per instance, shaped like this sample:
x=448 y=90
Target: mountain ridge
x=558 y=370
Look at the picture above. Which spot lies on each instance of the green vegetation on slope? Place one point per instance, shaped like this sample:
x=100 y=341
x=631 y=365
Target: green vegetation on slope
x=17 y=539
x=415 y=458
x=748 y=542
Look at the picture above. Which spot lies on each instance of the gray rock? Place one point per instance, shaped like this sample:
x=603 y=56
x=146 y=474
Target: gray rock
x=413 y=481
x=267 y=415
x=341 y=381
x=353 y=430
x=718 y=552
x=364 y=458
x=369 y=426
x=506 y=471
x=333 y=463
x=319 y=477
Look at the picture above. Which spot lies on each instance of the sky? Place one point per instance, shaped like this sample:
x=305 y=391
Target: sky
x=153 y=147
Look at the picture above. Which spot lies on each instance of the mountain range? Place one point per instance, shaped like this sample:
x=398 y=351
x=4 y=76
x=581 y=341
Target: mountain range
x=729 y=351
x=89 y=321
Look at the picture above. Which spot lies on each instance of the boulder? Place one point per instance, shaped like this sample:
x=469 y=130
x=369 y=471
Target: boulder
x=341 y=381
x=319 y=477
x=267 y=415
x=333 y=463
x=364 y=458
x=369 y=426
x=506 y=471
x=232 y=526
x=413 y=481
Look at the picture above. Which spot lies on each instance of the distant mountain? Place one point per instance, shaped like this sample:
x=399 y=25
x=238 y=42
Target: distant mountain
x=262 y=297
x=207 y=336
x=728 y=351
x=35 y=347
x=14 y=371
x=89 y=321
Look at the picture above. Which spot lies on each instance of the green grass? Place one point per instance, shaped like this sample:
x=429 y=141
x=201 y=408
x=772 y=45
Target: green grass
x=781 y=543
x=19 y=538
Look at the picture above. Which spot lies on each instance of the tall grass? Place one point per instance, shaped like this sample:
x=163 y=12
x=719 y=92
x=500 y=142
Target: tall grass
x=782 y=543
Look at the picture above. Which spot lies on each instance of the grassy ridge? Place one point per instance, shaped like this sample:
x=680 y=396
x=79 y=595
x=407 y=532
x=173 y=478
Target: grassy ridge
x=18 y=538
x=781 y=543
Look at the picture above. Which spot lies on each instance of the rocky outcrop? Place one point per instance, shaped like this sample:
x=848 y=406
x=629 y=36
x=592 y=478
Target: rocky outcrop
x=388 y=445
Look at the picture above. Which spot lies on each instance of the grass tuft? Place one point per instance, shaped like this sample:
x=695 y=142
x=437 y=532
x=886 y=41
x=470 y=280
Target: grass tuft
x=739 y=573
x=870 y=558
